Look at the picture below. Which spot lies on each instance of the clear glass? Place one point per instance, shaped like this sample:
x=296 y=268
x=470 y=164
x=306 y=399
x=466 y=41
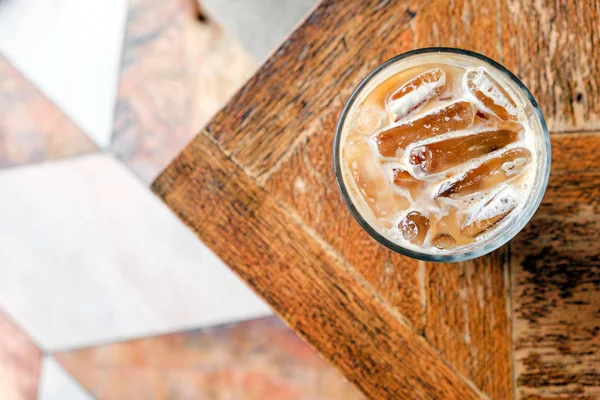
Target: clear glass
x=532 y=202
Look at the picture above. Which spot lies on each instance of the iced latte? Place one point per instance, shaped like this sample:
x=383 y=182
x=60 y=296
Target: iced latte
x=442 y=152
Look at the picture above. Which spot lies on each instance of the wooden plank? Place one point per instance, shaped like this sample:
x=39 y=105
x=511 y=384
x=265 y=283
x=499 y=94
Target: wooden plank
x=468 y=319
x=551 y=46
x=306 y=184
x=537 y=40
x=556 y=281
x=547 y=43
x=575 y=151
x=326 y=57
x=461 y=23
x=316 y=292
x=437 y=24
x=304 y=181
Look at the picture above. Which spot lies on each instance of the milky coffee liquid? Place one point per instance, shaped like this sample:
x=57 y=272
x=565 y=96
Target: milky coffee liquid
x=439 y=153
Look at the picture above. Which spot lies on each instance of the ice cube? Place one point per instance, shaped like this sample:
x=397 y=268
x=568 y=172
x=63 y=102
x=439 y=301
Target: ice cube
x=368 y=119
x=490 y=213
x=443 y=241
x=488 y=121
x=491 y=94
x=439 y=156
x=489 y=174
x=370 y=180
x=406 y=181
x=414 y=227
x=416 y=93
x=454 y=117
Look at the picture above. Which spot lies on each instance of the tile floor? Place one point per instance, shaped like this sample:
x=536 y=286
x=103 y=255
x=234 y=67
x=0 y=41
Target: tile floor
x=96 y=258
x=255 y=360
x=71 y=50
x=103 y=292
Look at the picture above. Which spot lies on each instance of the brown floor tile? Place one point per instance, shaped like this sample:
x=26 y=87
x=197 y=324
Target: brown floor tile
x=255 y=360
x=177 y=72
x=32 y=129
x=19 y=363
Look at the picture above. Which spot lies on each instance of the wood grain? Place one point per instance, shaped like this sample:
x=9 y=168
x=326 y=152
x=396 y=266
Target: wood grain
x=556 y=60
x=304 y=181
x=556 y=280
x=468 y=319
x=306 y=184
x=460 y=23
x=549 y=44
x=311 y=75
x=575 y=152
x=278 y=131
x=317 y=293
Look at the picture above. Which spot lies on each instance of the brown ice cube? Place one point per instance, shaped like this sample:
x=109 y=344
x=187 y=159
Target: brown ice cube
x=489 y=174
x=370 y=180
x=443 y=241
x=454 y=117
x=490 y=121
x=406 y=181
x=491 y=94
x=414 y=227
x=439 y=156
x=416 y=93
x=490 y=213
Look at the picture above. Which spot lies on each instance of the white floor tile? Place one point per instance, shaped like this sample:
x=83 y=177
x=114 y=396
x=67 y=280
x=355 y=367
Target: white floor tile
x=71 y=49
x=57 y=384
x=260 y=25
x=88 y=254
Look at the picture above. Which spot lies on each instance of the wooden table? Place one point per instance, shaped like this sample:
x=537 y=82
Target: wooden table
x=257 y=186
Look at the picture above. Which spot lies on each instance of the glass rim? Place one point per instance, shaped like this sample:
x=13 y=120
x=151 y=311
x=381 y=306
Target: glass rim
x=494 y=243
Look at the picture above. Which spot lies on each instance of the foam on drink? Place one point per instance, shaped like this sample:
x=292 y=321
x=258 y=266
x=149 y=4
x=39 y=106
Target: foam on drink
x=439 y=153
